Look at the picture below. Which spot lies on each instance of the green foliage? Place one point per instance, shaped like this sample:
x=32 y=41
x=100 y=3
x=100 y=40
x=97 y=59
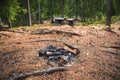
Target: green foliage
x=2 y=43
x=13 y=10
x=115 y=18
x=23 y=11
x=89 y=10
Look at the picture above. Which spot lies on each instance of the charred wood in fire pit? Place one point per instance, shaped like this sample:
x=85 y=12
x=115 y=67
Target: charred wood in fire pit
x=54 y=58
x=59 y=56
x=54 y=53
x=51 y=47
x=42 y=53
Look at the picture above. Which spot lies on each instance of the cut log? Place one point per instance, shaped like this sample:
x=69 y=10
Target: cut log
x=39 y=72
x=71 y=49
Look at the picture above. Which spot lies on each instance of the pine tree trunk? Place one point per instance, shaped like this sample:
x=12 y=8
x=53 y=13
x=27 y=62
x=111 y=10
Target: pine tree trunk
x=39 y=13
x=10 y=24
x=77 y=8
x=63 y=6
x=109 y=13
x=51 y=7
x=94 y=11
x=29 y=12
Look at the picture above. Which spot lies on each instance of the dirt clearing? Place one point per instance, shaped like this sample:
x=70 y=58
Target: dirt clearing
x=97 y=59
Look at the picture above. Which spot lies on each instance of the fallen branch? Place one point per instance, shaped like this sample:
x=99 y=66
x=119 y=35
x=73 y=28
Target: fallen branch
x=115 y=47
x=117 y=54
x=39 y=72
x=4 y=34
x=16 y=31
x=44 y=41
x=46 y=31
x=47 y=40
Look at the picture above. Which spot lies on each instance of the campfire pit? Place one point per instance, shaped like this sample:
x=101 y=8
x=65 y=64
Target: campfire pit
x=60 y=56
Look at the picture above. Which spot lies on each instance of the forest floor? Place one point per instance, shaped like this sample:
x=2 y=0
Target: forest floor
x=99 y=57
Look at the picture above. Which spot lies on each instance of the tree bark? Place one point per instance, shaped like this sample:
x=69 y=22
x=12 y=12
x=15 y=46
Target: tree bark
x=51 y=7
x=94 y=10
x=39 y=12
x=63 y=7
x=109 y=13
x=83 y=11
x=76 y=8
x=29 y=12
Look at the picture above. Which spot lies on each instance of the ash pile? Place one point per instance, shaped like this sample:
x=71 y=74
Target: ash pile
x=59 y=56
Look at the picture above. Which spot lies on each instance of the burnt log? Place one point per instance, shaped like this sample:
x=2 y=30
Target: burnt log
x=53 y=53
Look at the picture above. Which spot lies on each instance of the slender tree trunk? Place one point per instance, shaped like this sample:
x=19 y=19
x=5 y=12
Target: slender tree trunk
x=94 y=10
x=29 y=12
x=51 y=7
x=77 y=8
x=63 y=4
x=10 y=24
x=83 y=10
x=39 y=13
x=69 y=13
x=1 y=22
x=109 y=13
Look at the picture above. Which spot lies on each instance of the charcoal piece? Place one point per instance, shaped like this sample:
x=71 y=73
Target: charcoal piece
x=52 y=63
x=52 y=50
x=42 y=53
x=63 y=60
x=55 y=50
x=71 y=55
x=66 y=58
x=60 y=49
x=65 y=51
x=51 y=47
x=54 y=58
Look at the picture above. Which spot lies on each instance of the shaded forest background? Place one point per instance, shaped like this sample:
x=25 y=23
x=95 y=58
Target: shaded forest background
x=16 y=12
